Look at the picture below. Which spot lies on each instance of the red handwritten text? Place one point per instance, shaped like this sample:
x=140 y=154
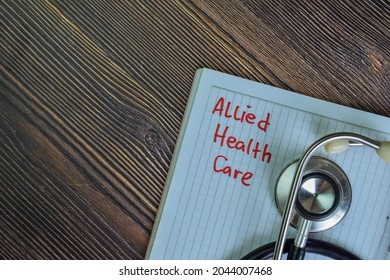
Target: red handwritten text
x=245 y=176
x=241 y=117
x=249 y=146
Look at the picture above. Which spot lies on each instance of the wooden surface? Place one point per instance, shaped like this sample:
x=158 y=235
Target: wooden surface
x=92 y=96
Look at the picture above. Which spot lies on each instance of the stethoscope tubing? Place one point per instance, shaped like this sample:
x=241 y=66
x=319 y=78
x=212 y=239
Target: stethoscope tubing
x=313 y=246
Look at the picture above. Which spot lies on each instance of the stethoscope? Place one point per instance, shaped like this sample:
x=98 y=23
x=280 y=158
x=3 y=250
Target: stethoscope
x=314 y=194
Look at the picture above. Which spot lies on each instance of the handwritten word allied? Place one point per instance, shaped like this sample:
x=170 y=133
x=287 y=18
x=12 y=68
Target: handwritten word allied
x=241 y=117
x=250 y=146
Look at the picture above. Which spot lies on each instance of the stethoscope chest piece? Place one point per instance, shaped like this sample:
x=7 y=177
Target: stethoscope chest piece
x=324 y=197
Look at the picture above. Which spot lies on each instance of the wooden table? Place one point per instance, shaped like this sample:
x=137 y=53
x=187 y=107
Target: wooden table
x=92 y=97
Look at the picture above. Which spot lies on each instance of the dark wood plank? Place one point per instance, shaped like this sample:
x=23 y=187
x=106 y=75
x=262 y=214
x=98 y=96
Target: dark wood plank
x=92 y=96
x=335 y=51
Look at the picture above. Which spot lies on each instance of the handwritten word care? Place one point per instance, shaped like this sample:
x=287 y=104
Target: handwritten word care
x=250 y=147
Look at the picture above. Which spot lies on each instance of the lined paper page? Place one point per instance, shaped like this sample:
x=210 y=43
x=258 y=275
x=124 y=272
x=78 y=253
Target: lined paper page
x=239 y=136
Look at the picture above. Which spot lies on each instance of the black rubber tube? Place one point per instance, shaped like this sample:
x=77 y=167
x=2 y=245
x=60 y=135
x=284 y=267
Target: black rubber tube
x=296 y=253
x=313 y=246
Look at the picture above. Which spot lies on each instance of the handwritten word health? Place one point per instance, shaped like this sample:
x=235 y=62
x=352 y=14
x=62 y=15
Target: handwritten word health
x=250 y=146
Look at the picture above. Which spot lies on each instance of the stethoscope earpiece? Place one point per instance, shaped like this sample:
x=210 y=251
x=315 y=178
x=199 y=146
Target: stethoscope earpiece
x=337 y=146
x=384 y=151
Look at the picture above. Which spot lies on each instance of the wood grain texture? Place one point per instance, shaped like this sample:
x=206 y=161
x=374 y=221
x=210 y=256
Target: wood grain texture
x=92 y=96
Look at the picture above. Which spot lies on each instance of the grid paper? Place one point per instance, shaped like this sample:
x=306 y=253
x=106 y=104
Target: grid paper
x=209 y=215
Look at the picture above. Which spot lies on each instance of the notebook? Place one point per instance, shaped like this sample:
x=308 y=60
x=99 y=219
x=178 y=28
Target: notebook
x=237 y=136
